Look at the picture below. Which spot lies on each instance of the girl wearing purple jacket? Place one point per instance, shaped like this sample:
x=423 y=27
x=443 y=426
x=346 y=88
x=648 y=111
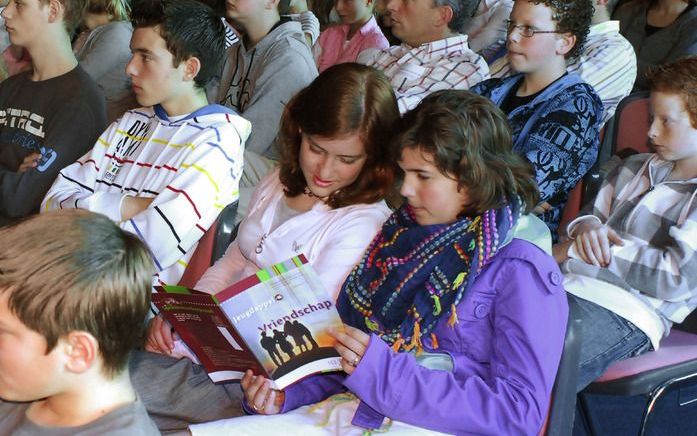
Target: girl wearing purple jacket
x=454 y=319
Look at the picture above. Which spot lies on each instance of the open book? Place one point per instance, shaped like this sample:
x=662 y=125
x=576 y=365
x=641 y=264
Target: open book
x=274 y=322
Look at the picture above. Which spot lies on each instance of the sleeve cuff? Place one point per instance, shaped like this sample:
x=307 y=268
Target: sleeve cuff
x=108 y=204
x=571 y=227
x=359 y=382
x=310 y=25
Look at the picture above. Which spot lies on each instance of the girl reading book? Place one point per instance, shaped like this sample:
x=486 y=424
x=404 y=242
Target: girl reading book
x=326 y=199
x=455 y=316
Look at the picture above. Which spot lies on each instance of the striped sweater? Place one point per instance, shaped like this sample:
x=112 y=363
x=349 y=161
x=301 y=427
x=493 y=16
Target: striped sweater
x=190 y=165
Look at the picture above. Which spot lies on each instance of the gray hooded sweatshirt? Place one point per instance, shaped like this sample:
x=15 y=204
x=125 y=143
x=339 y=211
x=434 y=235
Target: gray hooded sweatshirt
x=259 y=82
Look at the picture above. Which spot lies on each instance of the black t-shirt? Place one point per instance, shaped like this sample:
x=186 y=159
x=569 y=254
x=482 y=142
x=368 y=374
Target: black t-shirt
x=61 y=118
x=513 y=101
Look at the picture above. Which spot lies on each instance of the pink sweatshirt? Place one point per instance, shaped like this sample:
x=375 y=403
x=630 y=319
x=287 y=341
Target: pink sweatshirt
x=332 y=47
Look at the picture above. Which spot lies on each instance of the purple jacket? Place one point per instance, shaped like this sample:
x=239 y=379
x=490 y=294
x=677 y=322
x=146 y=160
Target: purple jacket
x=505 y=350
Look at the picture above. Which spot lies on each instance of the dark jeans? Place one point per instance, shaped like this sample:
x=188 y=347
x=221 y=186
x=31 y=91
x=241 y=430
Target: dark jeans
x=606 y=338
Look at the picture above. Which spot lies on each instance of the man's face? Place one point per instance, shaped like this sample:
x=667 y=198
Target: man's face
x=25 y=20
x=154 y=79
x=415 y=21
x=27 y=372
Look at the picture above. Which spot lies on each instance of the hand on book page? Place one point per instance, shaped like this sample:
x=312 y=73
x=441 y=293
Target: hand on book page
x=259 y=395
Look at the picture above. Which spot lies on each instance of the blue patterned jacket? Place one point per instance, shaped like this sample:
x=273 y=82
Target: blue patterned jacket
x=558 y=131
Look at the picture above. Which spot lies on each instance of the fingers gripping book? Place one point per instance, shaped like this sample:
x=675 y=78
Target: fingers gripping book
x=274 y=322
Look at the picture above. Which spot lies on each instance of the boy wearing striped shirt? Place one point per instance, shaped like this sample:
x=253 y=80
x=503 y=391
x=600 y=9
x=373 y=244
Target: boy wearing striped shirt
x=166 y=170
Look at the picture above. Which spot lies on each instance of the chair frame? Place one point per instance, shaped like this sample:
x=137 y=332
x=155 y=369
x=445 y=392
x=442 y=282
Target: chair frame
x=563 y=403
x=681 y=374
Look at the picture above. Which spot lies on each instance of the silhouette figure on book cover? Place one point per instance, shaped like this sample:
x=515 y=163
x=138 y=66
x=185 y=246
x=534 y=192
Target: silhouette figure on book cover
x=269 y=344
x=301 y=335
x=284 y=343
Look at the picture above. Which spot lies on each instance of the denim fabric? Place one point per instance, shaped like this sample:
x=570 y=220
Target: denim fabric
x=177 y=392
x=606 y=338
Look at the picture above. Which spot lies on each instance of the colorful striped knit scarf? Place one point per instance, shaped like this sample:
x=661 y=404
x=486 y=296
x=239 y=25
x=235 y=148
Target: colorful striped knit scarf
x=412 y=275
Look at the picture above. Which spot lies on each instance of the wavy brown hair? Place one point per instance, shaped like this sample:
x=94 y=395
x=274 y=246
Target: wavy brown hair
x=343 y=100
x=469 y=140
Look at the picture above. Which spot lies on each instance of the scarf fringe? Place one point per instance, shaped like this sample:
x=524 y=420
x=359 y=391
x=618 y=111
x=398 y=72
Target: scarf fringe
x=453 y=316
x=397 y=345
x=434 y=341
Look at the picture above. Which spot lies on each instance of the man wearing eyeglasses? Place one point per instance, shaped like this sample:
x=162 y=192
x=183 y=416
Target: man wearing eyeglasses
x=433 y=55
x=607 y=61
x=555 y=116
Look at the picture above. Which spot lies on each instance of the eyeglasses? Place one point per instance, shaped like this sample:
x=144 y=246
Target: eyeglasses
x=526 y=31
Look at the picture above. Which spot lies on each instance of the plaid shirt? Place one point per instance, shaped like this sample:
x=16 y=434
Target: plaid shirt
x=416 y=72
x=657 y=220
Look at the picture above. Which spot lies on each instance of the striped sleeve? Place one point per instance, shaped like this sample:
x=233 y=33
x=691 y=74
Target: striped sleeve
x=75 y=186
x=206 y=181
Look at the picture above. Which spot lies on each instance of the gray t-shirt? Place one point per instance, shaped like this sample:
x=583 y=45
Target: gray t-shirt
x=104 y=54
x=129 y=420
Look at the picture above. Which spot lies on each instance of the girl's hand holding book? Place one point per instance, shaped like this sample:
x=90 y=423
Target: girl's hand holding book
x=351 y=345
x=259 y=395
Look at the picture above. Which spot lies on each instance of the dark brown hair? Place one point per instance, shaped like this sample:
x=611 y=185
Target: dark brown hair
x=76 y=270
x=679 y=77
x=343 y=100
x=469 y=139
x=190 y=29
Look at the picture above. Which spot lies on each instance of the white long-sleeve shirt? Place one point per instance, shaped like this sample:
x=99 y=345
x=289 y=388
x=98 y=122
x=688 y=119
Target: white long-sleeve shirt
x=189 y=165
x=333 y=240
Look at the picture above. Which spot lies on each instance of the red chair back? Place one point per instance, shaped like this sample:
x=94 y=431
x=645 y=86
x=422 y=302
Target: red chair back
x=572 y=207
x=632 y=124
x=201 y=259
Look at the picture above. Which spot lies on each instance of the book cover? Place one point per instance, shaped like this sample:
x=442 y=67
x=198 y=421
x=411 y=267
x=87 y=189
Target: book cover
x=274 y=322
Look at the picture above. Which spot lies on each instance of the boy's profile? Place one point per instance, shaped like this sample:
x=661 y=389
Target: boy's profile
x=632 y=257
x=74 y=292
x=50 y=115
x=166 y=170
